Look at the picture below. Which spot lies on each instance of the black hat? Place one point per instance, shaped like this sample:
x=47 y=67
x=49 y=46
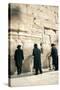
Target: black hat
x=18 y=46
x=41 y=44
x=35 y=45
x=52 y=44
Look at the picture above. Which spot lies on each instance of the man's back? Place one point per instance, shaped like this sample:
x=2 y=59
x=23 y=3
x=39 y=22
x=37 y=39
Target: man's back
x=18 y=56
x=54 y=52
x=36 y=52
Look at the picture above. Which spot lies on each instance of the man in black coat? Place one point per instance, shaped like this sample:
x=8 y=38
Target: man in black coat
x=54 y=55
x=37 y=59
x=18 y=56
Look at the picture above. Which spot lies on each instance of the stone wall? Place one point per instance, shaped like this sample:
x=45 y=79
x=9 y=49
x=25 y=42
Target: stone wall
x=33 y=24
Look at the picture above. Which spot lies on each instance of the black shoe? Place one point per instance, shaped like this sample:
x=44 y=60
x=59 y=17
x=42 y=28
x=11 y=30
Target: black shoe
x=41 y=72
x=18 y=73
x=56 y=69
x=36 y=74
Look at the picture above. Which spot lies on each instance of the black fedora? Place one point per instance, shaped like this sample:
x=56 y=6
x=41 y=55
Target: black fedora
x=52 y=44
x=18 y=46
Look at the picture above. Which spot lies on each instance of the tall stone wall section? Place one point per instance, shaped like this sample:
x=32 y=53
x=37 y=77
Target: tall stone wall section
x=33 y=24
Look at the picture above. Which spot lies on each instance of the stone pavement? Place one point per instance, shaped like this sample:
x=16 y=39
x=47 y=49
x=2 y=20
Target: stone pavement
x=28 y=79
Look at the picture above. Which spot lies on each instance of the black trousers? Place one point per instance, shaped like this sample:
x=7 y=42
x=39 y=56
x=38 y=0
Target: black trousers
x=56 y=63
x=19 y=69
x=56 y=66
x=38 y=68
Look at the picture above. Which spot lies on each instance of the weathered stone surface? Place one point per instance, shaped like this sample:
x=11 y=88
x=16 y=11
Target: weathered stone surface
x=35 y=24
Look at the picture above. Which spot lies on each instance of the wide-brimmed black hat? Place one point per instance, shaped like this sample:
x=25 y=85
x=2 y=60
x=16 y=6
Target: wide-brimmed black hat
x=35 y=45
x=18 y=46
x=52 y=44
